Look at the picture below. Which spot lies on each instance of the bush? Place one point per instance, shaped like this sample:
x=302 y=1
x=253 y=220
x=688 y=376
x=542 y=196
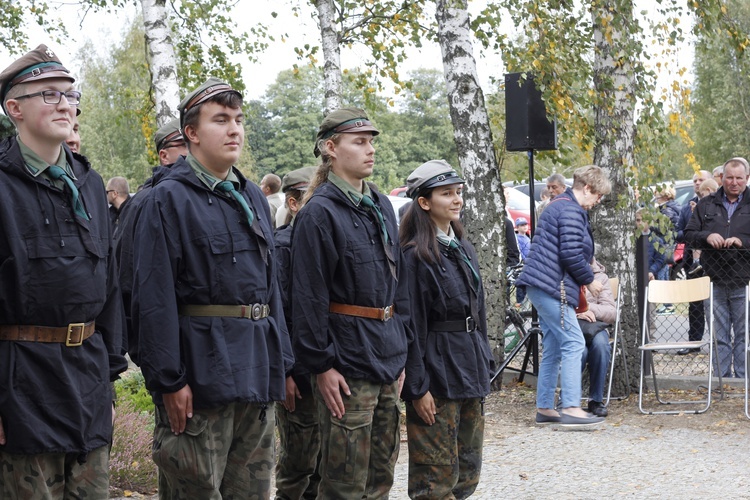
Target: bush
x=130 y=463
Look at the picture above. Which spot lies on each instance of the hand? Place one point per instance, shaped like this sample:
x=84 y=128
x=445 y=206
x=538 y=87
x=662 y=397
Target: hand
x=692 y=205
x=733 y=242
x=330 y=384
x=651 y=276
x=179 y=406
x=715 y=240
x=425 y=408
x=594 y=287
x=587 y=316
x=401 y=379
x=2 y=432
x=114 y=413
x=292 y=391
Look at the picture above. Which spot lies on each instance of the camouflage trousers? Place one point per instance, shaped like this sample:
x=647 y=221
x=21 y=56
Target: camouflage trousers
x=55 y=476
x=299 y=451
x=445 y=458
x=359 y=451
x=227 y=452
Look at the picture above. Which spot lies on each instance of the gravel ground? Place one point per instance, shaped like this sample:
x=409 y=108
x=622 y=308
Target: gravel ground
x=630 y=455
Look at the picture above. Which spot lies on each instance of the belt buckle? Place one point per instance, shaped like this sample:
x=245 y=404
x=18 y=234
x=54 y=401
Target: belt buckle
x=387 y=313
x=257 y=312
x=471 y=325
x=71 y=327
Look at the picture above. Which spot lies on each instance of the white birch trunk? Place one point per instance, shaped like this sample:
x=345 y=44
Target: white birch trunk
x=614 y=126
x=484 y=206
x=162 y=60
x=331 y=54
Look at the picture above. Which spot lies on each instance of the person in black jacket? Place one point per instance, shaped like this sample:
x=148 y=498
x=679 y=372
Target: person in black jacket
x=297 y=416
x=449 y=364
x=60 y=313
x=720 y=227
x=350 y=310
x=211 y=336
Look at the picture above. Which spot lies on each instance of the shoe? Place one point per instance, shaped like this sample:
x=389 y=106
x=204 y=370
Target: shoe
x=542 y=419
x=598 y=409
x=665 y=310
x=696 y=270
x=571 y=422
x=689 y=350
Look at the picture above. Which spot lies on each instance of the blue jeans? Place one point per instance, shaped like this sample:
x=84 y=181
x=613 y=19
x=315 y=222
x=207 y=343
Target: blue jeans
x=563 y=346
x=729 y=314
x=597 y=355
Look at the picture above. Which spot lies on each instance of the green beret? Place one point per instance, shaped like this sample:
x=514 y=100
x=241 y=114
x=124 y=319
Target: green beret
x=39 y=64
x=168 y=134
x=344 y=120
x=431 y=174
x=212 y=87
x=298 y=179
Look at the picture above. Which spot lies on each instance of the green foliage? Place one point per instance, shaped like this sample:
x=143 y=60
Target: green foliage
x=18 y=15
x=7 y=129
x=117 y=122
x=132 y=388
x=721 y=100
x=281 y=127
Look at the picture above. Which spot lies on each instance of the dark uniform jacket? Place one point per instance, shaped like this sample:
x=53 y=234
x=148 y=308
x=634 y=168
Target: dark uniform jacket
x=561 y=250
x=123 y=242
x=55 y=269
x=455 y=364
x=283 y=238
x=193 y=246
x=338 y=256
x=725 y=266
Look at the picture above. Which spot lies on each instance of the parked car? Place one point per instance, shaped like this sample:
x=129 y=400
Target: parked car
x=538 y=186
x=398 y=202
x=399 y=191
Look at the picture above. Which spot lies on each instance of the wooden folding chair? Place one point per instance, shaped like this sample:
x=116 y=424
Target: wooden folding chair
x=676 y=292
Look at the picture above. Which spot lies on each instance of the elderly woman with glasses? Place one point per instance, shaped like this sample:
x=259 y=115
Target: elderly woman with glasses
x=557 y=267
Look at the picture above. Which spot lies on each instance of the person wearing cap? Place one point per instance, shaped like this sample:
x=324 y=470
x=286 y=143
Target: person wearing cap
x=208 y=322
x=524 y=245
x=557 y=267
x=61 y=320
x=170 y=145
x=297 y=417
x=450 y=362
x=350 y=310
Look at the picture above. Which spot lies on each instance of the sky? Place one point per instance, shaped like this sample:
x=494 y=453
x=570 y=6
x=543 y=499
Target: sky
x=105 y=28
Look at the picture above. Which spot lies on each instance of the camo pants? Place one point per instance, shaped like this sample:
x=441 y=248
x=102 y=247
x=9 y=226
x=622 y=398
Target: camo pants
x=227 y=452
x=359 y=451
x=445 y=458
x=299 y=450
x=55 y=476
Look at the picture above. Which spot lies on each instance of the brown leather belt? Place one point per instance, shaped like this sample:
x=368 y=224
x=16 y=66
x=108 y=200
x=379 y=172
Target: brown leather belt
x=381 y=313
x=251 y=311
x=72 y=335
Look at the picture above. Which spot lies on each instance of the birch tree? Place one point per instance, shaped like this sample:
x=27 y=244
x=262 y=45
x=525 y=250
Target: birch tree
x=163 y=64
x=483 y=201
x=331 y=55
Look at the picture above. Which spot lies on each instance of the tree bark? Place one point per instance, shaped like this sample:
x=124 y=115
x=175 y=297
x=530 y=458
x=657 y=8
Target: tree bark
x=331 y=54
x=614 y=127
x=484 y=207
x=163 y=62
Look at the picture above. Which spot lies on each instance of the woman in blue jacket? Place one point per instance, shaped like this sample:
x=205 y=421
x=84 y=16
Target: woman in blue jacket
x=449 y=362
x=556 y=268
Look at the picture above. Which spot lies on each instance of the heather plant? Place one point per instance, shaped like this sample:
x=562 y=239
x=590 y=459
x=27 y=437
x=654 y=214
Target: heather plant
x=130 y=464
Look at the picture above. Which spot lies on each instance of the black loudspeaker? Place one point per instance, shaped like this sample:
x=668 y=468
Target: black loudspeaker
x=526 y=123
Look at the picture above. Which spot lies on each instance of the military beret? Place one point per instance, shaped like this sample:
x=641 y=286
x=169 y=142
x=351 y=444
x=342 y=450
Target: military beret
x=39 y=64
x=168 y=133
x=298 y=179
x=212 y=87
x=344 y=120
x=429 y=175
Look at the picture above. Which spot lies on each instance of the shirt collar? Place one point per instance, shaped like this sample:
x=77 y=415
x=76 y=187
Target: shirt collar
x=445 y=238
x=209 y=179
x=351 y=193
x=36 y=166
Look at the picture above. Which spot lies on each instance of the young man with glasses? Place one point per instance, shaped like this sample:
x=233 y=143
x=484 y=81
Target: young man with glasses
x=60 y=313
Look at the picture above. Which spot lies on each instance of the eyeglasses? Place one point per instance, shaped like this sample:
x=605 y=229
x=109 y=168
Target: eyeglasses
x=111 y=191
x=55 y=96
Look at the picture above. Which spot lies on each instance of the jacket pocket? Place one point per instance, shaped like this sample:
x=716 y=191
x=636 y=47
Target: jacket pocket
x=349 y=447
